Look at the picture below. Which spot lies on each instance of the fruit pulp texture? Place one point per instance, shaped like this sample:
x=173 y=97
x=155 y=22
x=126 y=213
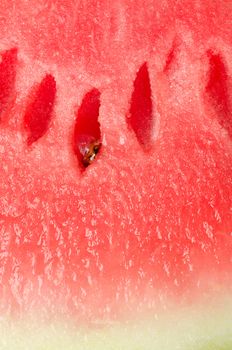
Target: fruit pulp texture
x=140 y=226
x=127 y=233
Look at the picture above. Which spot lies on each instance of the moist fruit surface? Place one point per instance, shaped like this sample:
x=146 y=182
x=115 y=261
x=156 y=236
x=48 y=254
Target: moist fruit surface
x=115 y=144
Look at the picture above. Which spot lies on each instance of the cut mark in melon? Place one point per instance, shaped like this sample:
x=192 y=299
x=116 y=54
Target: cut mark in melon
x=39 y=111
x=87 y=133
x=8 y=63
x=217 y=90
x=140 y=117
x=171 y=57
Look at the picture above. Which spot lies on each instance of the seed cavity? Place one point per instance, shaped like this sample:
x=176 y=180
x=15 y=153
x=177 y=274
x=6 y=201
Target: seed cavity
x=140 y=117
x=39 y=111
x=87 y=133
x=170 y=59
x=217 y=90
x=8 y=65
x=172 y=55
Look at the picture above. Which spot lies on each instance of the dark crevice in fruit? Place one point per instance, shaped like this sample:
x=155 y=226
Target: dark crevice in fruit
x=140 y=117
x=39 y=111
x=172 y=56
x=87 y=133
x=169 y=59
x=8 y=63
x=217 y=91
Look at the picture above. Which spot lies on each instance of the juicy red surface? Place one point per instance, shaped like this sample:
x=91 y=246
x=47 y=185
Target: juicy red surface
x=136 y=229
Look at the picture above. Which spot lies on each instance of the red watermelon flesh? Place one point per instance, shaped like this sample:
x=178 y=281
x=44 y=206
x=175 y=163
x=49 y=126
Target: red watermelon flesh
x=147 y=224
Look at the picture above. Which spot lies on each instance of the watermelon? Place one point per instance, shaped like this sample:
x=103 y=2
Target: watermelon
x=116 y=182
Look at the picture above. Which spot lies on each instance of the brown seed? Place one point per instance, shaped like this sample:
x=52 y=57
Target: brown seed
x=90 y=153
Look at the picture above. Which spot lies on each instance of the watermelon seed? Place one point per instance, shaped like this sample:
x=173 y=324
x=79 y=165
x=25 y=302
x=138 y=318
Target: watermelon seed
x=140 y=117
x=87 y=133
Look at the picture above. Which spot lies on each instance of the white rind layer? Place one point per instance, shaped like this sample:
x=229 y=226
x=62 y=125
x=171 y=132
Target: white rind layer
x=193 y=328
